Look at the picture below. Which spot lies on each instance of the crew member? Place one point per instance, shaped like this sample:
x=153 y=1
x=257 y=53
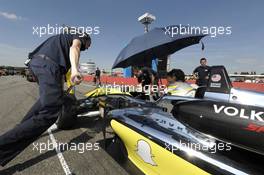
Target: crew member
x=49 y=62
x=97 y=76
x=201 y=74
x=147 y=78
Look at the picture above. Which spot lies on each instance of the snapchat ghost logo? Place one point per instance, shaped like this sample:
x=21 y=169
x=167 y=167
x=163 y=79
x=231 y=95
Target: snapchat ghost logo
x=144 y=152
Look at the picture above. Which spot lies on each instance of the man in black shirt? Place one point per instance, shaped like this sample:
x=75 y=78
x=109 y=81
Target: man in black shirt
x=97 y=76
x=201 y=74
x=48 y=62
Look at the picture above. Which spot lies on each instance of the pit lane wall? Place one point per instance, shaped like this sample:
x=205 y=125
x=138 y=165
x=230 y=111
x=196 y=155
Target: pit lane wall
x=133 y=81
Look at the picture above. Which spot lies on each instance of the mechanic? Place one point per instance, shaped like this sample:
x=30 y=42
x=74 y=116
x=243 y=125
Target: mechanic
x=147 y=78
x=177 y=85
x=201 y=74
x=49 y=63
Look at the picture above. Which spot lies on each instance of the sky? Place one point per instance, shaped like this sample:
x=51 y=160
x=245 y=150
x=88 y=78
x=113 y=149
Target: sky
x=114 y=24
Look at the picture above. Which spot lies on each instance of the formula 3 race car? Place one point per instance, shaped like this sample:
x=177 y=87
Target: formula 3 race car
x=183 y=135
x=222 y=133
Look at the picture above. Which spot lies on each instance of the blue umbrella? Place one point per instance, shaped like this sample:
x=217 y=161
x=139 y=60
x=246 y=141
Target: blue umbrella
x=157 y=43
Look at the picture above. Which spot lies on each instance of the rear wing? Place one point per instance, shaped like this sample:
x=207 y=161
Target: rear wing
x=219 y=80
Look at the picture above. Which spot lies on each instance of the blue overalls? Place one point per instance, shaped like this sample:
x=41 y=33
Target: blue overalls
x=42 y=114
x=49 y=62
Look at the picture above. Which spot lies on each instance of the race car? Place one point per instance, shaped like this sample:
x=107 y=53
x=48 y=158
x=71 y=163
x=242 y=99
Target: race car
x=219 y=134
x=222 y=133
x=158 y=142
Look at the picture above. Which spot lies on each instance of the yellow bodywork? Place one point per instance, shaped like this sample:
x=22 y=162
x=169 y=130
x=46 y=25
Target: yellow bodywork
x=163 y=161
x=98 y=91
x=101 y=91
x=68 y=81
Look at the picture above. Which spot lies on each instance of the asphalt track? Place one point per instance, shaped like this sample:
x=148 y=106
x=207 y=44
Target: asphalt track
x=16 y=97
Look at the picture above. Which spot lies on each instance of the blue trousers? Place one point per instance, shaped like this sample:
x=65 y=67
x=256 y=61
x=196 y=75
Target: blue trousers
x=42 y=114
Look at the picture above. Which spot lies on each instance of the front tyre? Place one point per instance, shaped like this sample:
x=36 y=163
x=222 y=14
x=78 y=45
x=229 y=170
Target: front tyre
x=68 y=115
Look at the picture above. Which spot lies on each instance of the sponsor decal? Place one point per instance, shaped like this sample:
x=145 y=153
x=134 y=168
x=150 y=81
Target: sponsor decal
x=166 y=123
x=144 y=152
x=215 y=85
x=216 y=77
x=255 y=128
x=240 y=112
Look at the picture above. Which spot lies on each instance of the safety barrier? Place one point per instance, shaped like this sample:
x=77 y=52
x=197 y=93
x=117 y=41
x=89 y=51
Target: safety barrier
x=133 y=81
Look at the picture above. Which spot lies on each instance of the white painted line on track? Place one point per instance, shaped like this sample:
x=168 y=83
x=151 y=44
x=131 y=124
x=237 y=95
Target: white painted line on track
x=64 y=164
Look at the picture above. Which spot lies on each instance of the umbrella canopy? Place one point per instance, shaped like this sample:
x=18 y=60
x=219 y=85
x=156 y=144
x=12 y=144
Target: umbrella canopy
x=156 y=43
